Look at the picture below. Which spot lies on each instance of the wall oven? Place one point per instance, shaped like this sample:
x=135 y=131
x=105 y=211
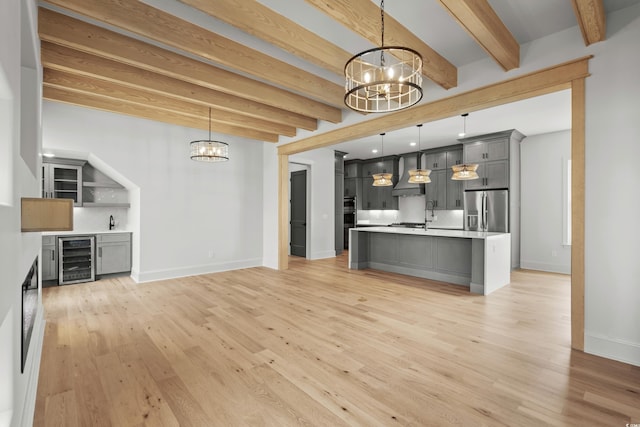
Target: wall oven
x=350 y=217
x=76 y=260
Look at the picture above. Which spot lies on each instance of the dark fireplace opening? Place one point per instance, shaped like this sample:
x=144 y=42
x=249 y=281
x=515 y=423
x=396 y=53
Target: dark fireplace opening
x=29 y=308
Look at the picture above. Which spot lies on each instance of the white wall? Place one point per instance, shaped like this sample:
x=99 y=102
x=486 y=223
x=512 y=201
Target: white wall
x=612 y=300
x=321 y=185
x=542 y=162
x=194 y=217
x=270 y=206
x=17 y=250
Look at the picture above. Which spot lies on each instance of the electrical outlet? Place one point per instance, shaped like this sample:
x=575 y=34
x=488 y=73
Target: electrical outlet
x=554 y=253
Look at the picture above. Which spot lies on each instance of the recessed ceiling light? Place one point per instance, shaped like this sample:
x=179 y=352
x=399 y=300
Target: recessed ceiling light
x=375 y=150
x=344 y=156
x=48 y=155
x=412 y=143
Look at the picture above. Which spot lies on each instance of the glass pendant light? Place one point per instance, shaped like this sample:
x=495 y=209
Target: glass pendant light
x=382 y=179
x=419 y=176
x=383 y=79
x=207 y=150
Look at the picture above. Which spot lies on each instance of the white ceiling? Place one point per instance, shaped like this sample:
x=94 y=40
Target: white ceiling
x=543 y=114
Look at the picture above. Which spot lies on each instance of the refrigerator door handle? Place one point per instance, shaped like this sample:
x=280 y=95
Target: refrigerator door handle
x=484 y=212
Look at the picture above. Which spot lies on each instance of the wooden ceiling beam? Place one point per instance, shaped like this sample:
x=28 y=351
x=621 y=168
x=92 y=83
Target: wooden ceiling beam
x=67 y=31
x=76 y=62
x=591 y=19
x=526 y=86
x=146 y=21
x=101 y=88
x=150 y=113
x=363 y=17
x=258 y=20
x=479 y=19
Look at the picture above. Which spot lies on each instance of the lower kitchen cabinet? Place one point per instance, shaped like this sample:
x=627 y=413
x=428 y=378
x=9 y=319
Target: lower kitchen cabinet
x=49 y=258
x=113 y=253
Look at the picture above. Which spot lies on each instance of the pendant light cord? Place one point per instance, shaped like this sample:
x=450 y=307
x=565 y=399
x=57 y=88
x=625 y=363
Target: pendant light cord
x=382 y=34
x=209 y=123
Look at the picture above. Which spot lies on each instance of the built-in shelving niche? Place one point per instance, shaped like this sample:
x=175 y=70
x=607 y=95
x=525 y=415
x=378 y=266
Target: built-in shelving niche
x=98 y=190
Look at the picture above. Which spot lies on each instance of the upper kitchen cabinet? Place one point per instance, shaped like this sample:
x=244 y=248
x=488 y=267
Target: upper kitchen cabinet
x=489 y=148
x=454 y=191
x=381 y=165
x=435 y=161
x=436 y=190
x=497 y=156
x=454 y=157
x=378 y=198
x=353 y=169
x=63 y=181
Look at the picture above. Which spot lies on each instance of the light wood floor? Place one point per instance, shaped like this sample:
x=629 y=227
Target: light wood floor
x=321 y=345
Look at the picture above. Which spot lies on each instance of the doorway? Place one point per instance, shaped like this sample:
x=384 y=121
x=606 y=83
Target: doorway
x=298 y=215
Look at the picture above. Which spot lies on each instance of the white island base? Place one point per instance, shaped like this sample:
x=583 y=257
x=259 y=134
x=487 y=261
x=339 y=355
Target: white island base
x=478 y=260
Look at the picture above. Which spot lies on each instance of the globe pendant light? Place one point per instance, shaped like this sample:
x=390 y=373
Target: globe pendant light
x=387 y=78
x=208 y=150
x=464 y=172
x=419 y=176
x=382 y=179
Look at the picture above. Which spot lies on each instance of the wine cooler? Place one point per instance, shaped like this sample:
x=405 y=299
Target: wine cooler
x=76 y=259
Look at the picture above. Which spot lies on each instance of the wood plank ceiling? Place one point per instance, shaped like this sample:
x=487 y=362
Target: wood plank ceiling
x=166 y=70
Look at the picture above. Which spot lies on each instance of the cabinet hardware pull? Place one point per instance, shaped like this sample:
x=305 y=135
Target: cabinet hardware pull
x=53 y=255
x=100 y=252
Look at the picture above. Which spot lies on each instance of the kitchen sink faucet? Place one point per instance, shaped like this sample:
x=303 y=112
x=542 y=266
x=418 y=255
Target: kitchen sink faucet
x=112 y=223
x=426 y=215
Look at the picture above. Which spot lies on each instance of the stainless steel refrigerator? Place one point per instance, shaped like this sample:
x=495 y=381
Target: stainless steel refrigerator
x=486 y=210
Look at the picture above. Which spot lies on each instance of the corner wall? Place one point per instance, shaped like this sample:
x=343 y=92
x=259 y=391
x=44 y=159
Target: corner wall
x=612 y=270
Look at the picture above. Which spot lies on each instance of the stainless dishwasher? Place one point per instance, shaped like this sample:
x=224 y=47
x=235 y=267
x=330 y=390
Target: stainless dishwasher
x=76 y=259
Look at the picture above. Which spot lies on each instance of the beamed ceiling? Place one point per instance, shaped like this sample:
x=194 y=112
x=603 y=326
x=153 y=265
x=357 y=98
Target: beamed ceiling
x=266 y=71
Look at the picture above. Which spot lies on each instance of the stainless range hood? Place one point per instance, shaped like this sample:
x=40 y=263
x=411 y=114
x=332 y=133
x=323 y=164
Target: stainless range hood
x=404 y=187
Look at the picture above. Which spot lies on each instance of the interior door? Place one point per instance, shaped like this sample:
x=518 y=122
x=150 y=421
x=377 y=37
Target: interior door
x=298 y=219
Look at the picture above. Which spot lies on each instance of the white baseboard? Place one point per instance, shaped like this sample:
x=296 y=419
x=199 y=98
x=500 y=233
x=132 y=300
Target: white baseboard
x=541 y=266
x=195 y=270
x=323 y=255
x=612 y=348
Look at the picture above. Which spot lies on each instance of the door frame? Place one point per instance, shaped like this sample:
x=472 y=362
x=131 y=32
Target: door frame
x=568 y=75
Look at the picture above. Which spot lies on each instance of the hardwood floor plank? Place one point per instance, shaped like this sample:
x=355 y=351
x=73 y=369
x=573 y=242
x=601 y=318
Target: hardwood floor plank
x=319 y=344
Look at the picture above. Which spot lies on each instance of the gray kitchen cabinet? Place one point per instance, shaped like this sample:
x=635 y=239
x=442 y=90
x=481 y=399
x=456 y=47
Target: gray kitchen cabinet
x=454 y=192
x=49 y=258
x=378 y=198
x=492 y=175
x=62 y=181
x=352 y=169
x=454 y=157
x=487 y=150
x=436 y=161
x=350 y=187
x=113 y=253
x=436 y=190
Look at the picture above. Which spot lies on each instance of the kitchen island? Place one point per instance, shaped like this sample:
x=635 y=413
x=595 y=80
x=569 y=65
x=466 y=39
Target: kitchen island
x=479 y=260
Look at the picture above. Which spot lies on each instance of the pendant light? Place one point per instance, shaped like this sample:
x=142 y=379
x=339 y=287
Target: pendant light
x=208 y=150
x=419 y=176
x=386 y=78
x=464 y=172
x=382 y=179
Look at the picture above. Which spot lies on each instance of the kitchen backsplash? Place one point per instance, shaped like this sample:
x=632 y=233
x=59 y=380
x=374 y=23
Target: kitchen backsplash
x=412 y=209
x=97 y=219
x=377 y=217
